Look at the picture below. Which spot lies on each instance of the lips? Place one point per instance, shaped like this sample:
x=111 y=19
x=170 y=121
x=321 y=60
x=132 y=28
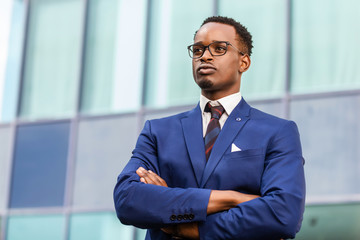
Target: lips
x=205 y=69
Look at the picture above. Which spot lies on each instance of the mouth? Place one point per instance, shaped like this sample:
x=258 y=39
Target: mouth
x=206 y=69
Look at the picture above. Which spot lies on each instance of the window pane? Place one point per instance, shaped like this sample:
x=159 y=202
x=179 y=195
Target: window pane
x=10 y=87
x=330 y=139
x=98 y=226
x=275 y=108
x=266 y=21
x=5 y=13
x=169 y=76
x=52 y=58
x=140 y=234
x=40 y=165
x=114 y=56
x=331 y=222
x=326 y=46
x=5 y=154
x=167 y=112
x=104 y=147
x=36 y=227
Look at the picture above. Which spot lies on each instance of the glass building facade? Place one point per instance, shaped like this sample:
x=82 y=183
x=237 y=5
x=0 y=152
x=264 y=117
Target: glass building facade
x=78 y=78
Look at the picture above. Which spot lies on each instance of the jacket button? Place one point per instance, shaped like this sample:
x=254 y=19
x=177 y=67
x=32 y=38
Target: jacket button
x=180 y=217
x=191 y=216
x=173 y=217
x=186 y=216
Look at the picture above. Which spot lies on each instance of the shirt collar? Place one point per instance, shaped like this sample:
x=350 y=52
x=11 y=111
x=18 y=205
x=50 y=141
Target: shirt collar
x=228 y=102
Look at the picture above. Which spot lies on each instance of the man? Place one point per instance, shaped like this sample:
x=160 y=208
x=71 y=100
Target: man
x=187 y=179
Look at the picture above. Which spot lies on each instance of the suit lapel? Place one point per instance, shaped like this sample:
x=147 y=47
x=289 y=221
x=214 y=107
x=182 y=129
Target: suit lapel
x=235 y=122
x=193 y=133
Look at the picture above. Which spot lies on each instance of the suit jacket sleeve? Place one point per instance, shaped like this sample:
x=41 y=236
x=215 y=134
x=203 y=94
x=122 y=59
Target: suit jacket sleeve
x=150 y=206
x=278 y=213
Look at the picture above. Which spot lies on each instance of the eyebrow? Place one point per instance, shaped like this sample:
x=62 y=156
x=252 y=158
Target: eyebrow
x=201 y=42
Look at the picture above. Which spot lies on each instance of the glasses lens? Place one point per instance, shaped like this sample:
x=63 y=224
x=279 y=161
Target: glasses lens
x=218 y=48
x=196 y=51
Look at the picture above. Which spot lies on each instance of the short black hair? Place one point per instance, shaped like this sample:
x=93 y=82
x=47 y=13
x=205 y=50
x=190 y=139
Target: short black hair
x=242 y=32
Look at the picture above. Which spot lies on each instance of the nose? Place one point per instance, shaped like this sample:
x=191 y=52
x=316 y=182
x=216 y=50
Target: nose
x=207 y=55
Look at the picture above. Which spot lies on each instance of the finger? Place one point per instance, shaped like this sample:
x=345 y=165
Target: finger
x=158 y=179
x=143 y=180
x=154 y=178
x=145 y=175
x=141 y=171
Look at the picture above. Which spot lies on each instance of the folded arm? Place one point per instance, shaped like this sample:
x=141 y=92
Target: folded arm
x=220 y=200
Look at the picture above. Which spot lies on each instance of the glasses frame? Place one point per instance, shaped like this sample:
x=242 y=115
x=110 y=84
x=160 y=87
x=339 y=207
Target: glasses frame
x=208 y=48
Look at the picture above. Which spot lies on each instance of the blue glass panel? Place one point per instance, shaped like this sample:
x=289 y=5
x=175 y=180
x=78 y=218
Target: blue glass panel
x=40 y=165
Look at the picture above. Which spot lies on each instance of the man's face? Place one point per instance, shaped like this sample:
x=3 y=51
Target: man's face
x=218 y=76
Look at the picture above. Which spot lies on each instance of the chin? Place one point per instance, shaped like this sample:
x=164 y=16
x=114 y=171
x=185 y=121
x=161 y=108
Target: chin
x=205 y=84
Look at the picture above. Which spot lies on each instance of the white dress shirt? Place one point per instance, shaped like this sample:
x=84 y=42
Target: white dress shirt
x=228 y=102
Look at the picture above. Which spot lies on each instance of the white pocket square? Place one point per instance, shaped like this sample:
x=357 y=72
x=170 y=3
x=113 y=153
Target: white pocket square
x=234 y=148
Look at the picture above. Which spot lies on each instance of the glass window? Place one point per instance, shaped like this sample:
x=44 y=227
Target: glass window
x=53 y=54
x=169 y=75
x=104 y=147
x=40 y=165
x=266 y=21
x=166 y=112
x=330 y=138
x=5 y=161
x=325 y=45
x=98 y=226
x=10 y=87
x=140 y=234
x=43 y=227
x=275 y=108
x=339 y=221
x=5 y=13
x=114 y=56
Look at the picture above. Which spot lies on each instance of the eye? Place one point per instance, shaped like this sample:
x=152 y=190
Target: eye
x=197 y=50
x=219 y=48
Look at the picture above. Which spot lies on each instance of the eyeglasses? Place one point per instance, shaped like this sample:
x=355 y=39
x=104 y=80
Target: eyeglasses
x=217 y=48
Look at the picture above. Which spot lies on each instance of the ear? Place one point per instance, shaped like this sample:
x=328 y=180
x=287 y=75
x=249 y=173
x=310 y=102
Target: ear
x=245 y=63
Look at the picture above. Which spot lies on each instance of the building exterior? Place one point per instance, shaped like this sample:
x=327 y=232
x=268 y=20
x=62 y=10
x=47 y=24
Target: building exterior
x=78 y=78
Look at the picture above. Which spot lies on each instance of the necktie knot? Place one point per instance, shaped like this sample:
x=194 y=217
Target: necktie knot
x=216 y=111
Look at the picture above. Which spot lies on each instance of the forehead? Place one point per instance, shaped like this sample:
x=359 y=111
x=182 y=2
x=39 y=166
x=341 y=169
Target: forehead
x=215 y=32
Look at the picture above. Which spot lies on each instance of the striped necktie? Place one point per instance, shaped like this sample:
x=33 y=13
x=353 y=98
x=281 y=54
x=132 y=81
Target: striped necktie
x=213 y=128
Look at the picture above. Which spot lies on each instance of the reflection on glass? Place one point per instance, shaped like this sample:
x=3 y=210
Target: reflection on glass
x=43 y=227
x=95 y=226
x=52 y=61
x=326 y=46
x=172 y=29
x=39 y=167
x=266 y=21
x=114 y=56
x=104 y=147
x=330 y=139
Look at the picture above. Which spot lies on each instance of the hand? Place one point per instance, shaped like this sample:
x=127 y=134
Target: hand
x=149 y=177
x=183 y=230
x=222 y=200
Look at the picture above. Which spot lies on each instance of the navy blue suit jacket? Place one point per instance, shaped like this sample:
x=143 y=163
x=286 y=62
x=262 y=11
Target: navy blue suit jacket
x=270 y=164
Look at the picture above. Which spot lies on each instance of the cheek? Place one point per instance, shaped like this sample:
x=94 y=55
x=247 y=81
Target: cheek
x=193 y=69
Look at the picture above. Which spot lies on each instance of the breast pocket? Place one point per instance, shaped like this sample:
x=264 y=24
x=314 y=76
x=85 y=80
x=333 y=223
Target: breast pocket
x=241 y=170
